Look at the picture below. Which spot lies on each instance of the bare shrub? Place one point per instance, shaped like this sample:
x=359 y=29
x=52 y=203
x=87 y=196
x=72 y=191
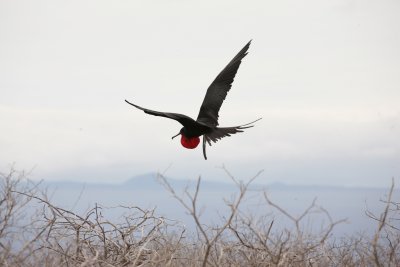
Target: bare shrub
x=210 y=252
x=35 y=232
x=20 y=229
x=386 y=241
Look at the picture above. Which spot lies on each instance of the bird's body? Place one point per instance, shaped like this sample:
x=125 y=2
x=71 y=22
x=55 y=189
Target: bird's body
x=206 y=124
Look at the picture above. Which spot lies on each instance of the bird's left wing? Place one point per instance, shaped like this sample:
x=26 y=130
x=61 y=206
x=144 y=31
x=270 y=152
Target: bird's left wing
x=182 y=119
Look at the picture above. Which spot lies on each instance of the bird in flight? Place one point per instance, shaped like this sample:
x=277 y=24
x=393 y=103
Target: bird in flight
x=206 y=124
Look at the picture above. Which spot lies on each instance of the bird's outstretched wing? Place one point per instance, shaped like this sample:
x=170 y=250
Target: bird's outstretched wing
x=218 y=90
x=182 y=119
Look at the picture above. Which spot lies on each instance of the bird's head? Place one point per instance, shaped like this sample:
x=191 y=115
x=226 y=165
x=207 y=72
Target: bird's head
x=187 y=142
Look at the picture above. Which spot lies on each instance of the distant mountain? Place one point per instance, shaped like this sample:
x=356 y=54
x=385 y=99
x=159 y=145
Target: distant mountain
x=150 y=181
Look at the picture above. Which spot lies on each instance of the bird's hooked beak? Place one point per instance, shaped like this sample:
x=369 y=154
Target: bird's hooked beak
x=175 y=135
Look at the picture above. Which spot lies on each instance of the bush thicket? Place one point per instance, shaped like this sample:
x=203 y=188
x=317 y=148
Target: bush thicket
x=35 y=232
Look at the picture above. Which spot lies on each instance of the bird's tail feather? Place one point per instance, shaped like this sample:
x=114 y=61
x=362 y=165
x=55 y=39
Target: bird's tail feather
x=221 y=132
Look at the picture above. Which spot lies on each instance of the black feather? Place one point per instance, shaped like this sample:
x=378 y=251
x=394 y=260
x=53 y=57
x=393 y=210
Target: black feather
x=217 y=91
x=182 y=119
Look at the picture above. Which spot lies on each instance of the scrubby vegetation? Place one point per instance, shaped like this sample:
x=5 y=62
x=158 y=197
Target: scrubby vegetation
x=35 y=232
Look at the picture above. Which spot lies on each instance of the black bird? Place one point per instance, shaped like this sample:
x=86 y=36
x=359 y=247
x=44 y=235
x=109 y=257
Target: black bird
x=207 y=121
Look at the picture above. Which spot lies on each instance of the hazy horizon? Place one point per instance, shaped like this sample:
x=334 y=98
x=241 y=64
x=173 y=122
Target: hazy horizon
x=223 y=179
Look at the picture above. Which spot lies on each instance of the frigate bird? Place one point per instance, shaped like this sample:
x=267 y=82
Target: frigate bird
x=206 y=124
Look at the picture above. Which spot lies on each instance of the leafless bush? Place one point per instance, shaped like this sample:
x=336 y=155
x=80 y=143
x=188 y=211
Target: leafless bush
x=387 y=234
x=209 y=237
x=35 y=232
x=19 y=228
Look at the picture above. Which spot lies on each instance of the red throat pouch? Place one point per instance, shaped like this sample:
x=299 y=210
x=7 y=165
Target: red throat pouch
x=190 y=143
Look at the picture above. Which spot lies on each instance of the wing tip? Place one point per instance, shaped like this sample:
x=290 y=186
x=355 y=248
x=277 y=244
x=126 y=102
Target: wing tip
x=248 y=44
x=242 y=53
x=130 y=103
x=136 y=106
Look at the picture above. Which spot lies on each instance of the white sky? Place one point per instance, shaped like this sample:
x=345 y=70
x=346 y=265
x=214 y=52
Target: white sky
x=324 y=75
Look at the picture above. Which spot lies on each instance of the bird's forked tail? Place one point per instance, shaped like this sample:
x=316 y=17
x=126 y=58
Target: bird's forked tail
x=221 y=132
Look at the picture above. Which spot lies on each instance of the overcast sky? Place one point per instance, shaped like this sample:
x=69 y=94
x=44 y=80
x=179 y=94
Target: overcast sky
x=324 y=75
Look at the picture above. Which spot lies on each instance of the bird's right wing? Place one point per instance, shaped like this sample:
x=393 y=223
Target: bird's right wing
x=218 y=90
x=182 y=119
